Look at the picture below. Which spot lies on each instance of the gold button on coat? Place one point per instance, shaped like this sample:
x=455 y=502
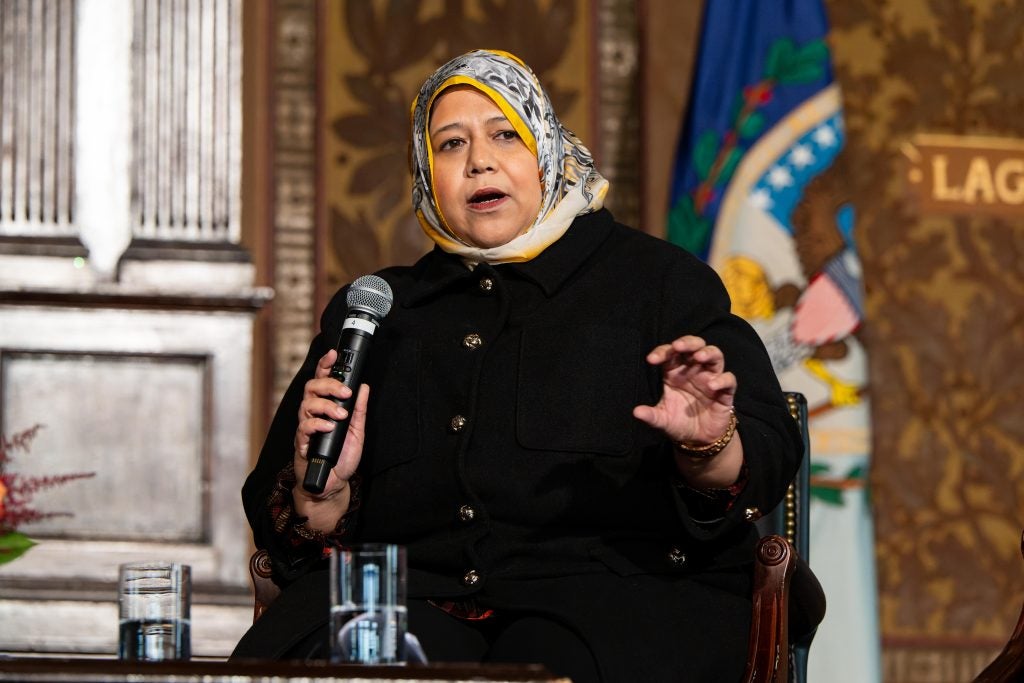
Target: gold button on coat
x=457 y=424
x=471 y=578
x=752 y=514
x=467 y=513
x=486 y=284
x=472 y=341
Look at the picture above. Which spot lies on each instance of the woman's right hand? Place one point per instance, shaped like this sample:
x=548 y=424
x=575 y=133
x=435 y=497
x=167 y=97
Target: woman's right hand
x=323 y=510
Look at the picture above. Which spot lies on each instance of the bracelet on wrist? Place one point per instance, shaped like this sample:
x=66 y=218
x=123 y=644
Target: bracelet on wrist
x=710 y=450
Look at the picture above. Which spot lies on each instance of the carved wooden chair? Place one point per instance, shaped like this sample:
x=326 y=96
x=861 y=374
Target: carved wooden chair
x=785 y=592
x=1008 y=666
x=788 y=601
x=265 y=591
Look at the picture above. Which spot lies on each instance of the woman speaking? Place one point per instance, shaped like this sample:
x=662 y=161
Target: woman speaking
x=560 y=419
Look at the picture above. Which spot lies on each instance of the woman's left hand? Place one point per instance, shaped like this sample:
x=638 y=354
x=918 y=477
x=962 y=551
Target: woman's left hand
x=697 y=392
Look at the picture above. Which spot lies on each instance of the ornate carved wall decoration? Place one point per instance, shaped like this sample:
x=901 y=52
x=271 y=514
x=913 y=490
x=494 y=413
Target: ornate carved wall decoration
x=944 y=312
x=618 y=135
x=376 y=56
x=294 y=221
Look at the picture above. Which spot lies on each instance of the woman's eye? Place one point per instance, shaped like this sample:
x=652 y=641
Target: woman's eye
x=508 y=135
x=450 y=144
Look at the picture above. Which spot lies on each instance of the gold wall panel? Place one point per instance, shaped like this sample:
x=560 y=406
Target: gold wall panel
x=945 y=327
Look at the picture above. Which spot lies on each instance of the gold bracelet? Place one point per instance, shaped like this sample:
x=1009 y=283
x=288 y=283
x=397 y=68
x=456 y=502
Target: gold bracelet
x=715 y=447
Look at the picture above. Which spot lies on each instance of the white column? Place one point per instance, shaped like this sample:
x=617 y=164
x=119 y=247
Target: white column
x=103 y=152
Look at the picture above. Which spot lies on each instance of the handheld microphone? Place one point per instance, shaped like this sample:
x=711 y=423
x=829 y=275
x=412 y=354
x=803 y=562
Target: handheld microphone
x=369 y=300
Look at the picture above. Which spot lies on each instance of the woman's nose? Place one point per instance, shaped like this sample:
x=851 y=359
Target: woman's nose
x=480 y=161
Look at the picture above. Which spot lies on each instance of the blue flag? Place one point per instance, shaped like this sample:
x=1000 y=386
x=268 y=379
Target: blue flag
x=764 y=121
x=757 y=62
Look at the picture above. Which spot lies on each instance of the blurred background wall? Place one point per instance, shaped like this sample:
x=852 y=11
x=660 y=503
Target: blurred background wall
x=215 y=312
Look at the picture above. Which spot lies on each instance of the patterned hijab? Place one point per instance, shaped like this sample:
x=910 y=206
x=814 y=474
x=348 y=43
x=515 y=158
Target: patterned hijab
x=570 y=185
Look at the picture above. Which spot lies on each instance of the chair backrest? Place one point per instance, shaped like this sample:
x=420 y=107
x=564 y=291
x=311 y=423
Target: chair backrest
x=790 y=518
x=788 y=600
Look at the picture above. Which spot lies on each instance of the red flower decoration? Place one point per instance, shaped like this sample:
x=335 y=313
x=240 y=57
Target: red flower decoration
x=16 y=494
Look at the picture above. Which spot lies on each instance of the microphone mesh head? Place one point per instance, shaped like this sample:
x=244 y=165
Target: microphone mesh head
x=370 y=294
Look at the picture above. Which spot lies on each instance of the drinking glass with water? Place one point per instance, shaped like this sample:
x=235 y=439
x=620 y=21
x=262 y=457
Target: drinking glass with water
x=154 y=602
x=368 y=609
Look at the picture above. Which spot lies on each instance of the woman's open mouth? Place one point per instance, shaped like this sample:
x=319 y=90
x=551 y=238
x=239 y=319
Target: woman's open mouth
x=486 y=198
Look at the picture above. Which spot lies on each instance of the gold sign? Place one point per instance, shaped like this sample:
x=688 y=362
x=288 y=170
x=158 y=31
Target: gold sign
x=966 y=174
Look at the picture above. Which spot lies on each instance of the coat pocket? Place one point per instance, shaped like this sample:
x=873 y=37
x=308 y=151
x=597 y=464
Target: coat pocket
x=577 y=387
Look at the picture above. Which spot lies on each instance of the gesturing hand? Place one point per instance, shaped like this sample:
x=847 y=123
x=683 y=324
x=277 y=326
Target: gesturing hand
x=697 y=392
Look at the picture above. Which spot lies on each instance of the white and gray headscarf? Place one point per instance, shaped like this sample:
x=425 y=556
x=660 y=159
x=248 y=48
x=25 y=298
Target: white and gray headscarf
x=570 y=184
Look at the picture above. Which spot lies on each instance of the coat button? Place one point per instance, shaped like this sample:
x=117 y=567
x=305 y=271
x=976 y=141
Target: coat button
x=471 y=578
x=486 y=284
x=457 y=424
x=752 y=514
x=472 y=341
x=467 y=513
x=677 y=557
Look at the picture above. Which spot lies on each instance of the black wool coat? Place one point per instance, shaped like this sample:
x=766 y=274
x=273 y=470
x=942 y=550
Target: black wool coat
x=502 y=451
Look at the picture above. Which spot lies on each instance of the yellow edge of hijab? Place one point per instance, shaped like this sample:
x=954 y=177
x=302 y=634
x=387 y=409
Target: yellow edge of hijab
x=525 y=134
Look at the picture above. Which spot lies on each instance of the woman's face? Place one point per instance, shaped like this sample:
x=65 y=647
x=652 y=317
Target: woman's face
x=486 y=179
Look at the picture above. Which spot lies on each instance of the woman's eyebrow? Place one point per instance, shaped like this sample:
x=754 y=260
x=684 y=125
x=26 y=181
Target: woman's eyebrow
x=448 y=126
x=460 y=125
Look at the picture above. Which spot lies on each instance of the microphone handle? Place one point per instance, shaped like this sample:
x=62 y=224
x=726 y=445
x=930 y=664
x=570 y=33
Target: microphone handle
x=325 y=447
